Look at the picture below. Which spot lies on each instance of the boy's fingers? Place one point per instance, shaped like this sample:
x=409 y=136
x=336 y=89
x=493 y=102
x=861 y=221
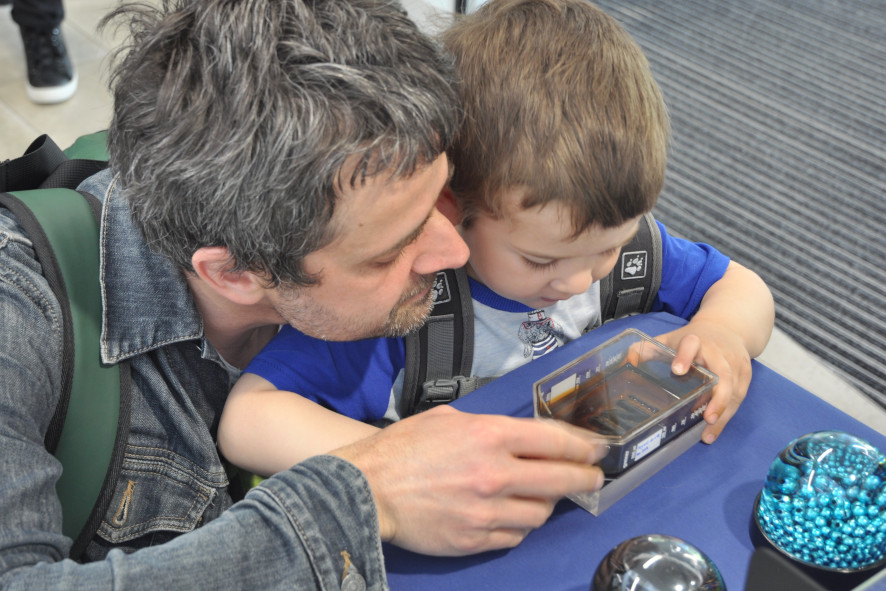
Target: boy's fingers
x=718 y=412
x=687 y=351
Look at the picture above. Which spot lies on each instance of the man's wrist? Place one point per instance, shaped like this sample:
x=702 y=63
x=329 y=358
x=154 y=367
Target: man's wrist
x=355 y=455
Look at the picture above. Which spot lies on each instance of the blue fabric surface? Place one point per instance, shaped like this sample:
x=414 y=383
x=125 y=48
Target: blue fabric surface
x=704 y=497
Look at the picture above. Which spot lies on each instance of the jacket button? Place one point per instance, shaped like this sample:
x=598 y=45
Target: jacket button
x=353 y=581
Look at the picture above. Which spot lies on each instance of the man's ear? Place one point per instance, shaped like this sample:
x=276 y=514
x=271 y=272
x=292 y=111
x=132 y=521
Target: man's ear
x=448 y=206
x=212 y=264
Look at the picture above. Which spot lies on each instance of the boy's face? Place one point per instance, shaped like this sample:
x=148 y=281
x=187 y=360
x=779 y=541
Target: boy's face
x=529 y=255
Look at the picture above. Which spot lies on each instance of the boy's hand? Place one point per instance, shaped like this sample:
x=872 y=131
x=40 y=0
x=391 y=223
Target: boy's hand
x=732 y=324
x=721 y=351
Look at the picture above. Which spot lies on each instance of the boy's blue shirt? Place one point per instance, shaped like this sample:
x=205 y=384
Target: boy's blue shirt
x=355 y=378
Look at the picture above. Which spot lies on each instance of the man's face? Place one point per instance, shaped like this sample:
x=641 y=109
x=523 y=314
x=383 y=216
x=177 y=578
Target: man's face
x=530 y=256
x=376 y=276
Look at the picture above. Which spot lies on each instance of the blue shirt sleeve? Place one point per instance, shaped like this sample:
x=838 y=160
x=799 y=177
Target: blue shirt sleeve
x=352 y=378
x=688 y=270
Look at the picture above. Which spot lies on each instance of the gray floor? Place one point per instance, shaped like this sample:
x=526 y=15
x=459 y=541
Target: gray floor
x=777 y=156
x=21 y=121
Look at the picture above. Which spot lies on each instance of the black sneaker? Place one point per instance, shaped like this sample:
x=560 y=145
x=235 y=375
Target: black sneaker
x=51 y=77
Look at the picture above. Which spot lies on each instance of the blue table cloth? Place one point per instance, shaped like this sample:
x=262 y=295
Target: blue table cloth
x=704 y=497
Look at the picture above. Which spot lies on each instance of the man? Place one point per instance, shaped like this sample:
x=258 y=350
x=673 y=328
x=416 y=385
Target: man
x=270 y=162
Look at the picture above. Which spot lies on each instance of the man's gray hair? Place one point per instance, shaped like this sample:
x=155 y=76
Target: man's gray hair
x=233 y=120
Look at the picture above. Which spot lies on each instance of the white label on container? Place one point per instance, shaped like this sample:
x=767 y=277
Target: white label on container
x=648 y=445
x=564 y=386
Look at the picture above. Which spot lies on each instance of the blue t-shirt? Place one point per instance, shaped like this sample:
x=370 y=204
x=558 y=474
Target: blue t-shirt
x=361 y=379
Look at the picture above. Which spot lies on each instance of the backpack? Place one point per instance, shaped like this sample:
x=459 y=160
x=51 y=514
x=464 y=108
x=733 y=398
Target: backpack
x=440 y=354
x=63 y=226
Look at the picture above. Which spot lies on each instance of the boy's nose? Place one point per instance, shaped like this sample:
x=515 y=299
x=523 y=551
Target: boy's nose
x=441 y=247
x=574 y=282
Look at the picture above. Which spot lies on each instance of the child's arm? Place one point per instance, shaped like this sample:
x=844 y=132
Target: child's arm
x=732 y=325
x=265 y=430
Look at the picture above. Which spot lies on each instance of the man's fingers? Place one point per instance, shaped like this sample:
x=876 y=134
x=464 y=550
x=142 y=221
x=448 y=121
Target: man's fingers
x=599 y=444
x=547 y=458
x=548 y=479
x=553 y=440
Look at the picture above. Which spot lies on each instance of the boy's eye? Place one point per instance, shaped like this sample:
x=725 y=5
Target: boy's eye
x=538 y=265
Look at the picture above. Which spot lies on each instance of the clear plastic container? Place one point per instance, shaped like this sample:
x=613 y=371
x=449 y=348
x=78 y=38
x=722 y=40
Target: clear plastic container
x=625 y=392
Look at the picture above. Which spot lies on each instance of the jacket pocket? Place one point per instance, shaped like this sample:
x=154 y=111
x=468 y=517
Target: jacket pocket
x=157 y=492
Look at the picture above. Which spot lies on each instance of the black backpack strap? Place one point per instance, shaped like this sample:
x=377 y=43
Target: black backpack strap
x=90 y=426
x=39 y=161
x=440 y=354
x=631 y=287
x=45 y=166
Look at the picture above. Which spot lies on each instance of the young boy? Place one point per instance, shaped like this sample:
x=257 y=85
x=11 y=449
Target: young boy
x=561 y=152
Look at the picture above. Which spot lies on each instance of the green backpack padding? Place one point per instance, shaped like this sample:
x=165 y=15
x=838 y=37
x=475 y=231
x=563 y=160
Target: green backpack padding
x=90 y=147
x=90 y=425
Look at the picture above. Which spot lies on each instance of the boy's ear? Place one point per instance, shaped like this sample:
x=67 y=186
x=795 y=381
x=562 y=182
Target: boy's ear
x=448 y=206
x=212 y=264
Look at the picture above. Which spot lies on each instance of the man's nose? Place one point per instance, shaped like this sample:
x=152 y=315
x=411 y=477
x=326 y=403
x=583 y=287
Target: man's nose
x=441 y=247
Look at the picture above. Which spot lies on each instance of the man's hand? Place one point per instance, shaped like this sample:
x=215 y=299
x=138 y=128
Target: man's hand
x=453 y=483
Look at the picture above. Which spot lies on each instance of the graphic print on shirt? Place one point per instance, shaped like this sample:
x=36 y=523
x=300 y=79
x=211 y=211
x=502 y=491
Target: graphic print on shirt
x=540 y=335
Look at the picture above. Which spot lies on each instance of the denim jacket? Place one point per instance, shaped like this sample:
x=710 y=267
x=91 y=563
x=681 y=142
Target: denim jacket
x=291 y=532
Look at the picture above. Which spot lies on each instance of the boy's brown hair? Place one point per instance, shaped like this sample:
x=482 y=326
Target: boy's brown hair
x=559 y=99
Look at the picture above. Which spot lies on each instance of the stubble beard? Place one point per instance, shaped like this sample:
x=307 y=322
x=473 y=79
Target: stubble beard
x=407 y=317
x=318 y=320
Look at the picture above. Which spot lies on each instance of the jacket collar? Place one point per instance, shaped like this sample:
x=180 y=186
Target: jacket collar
x=147 y=303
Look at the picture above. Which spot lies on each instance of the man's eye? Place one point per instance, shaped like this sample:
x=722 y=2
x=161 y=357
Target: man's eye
x=388 y=261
